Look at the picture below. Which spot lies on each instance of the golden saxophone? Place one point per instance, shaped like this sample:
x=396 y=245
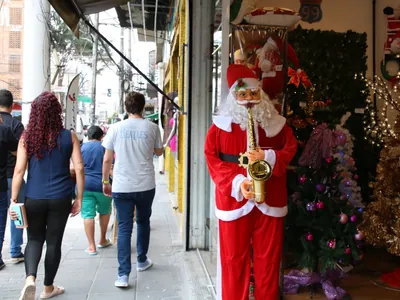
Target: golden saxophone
x=260 y=170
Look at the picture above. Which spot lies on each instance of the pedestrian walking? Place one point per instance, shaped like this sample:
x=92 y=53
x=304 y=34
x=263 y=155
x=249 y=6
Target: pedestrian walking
x=93 y=198
x=45 y=149
x=134 y=142
x=8 y=143
x=6 y=106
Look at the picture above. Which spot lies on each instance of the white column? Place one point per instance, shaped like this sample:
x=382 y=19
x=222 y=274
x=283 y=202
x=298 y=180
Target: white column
x=36 y=57
x=199 y=114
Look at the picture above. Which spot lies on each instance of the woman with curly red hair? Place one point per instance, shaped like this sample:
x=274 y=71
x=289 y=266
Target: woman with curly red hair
x=46 y=149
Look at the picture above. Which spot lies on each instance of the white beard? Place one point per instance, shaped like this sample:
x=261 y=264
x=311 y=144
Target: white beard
x=264 y=113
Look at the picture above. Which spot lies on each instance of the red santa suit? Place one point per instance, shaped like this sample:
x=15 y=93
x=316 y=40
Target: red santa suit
x=241 y=221
x=271 y=65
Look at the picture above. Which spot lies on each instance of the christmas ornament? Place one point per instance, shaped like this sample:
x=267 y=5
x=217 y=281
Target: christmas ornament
x=320 y=187
x=359 y=236
x=353 y=218
x=355 y=177
x=343 y=218
x=329 y=160
x=348 y=251
x=311 y=206
x=309 y=237
x=332 y=244
x=320 y=205
x=303 y=179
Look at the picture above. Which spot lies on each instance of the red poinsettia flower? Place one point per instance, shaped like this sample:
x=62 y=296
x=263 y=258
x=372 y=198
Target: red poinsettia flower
x=297 y=77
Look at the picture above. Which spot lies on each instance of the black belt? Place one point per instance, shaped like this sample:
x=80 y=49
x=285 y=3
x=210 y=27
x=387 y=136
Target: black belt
x=232 y=158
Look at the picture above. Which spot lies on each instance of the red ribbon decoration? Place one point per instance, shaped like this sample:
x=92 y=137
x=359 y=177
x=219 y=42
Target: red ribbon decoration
x=297 y=77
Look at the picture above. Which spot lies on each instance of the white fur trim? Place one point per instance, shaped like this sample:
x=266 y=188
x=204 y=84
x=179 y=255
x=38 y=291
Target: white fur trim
x=277 y=212
x=231 y=215
x=236 y=183
x=252 y=83
x=223 y=122
x=269 y=74
x=270 y=157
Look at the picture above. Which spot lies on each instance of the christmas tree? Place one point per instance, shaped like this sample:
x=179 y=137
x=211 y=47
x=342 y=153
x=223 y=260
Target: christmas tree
x=325 y=202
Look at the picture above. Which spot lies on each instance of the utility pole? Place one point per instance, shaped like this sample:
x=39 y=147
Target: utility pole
x=121 y=76
x=94 y=69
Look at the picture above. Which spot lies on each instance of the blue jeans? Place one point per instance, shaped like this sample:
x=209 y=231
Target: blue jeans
x=3 y=220
x=125 y=204
x=16 y=233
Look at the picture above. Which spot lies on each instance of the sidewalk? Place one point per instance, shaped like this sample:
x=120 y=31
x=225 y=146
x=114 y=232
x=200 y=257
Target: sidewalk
x=176 y=275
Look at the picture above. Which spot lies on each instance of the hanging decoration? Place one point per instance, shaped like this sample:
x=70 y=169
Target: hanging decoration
x=310 y=11
x=390 y=65
x=378 y=128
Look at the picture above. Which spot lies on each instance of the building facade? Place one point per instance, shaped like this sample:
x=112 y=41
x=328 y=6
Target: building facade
x=11 y=45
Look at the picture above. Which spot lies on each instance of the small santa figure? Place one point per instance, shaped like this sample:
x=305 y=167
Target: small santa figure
x=393 y=44
x=243 y=222
x=393 y=24
x=271 y=65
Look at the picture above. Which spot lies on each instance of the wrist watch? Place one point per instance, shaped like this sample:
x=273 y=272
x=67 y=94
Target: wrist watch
x=106 y=181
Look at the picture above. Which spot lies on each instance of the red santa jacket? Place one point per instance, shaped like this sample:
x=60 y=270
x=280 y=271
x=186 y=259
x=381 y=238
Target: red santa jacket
x=280 y=147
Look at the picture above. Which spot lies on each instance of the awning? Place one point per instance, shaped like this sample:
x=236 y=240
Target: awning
x=70 y=10
x=152 y=116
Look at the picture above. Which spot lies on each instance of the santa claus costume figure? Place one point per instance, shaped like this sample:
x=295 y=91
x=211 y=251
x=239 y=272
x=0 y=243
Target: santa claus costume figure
x=241 y=220
x=271 y=65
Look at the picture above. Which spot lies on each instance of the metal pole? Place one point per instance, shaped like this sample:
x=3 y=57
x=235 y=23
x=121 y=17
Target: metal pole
x=121 y=75
x=94 y=70
x=285 y=72
x=129 y=62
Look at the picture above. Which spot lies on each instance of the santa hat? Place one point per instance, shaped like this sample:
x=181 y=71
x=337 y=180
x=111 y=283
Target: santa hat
x=241 y=77
x=291 y=53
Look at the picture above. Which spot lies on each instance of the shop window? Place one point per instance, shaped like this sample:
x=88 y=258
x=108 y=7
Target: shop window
x=15 y=88
x=14 y=64
x=15 y=16
x=15 y=40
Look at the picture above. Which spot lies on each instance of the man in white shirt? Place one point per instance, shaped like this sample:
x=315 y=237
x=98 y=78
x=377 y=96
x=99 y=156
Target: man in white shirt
x=134 y=142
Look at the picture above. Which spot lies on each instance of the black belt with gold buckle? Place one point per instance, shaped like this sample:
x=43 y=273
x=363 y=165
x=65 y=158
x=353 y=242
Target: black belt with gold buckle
x=233 y=158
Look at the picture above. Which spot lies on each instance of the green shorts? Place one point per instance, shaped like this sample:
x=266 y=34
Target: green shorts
x=95 y=201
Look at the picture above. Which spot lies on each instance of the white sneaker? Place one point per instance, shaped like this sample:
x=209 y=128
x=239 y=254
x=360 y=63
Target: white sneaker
x=140 y=267
x=122 y=281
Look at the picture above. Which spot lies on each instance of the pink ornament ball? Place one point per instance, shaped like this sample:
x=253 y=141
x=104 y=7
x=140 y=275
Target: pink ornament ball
x=353 y=218
x=359 y=236
x=332 y=244
x=348 y=251
x=303 y=179
x=309 y=237
x=320 y=205
x=343 y=218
